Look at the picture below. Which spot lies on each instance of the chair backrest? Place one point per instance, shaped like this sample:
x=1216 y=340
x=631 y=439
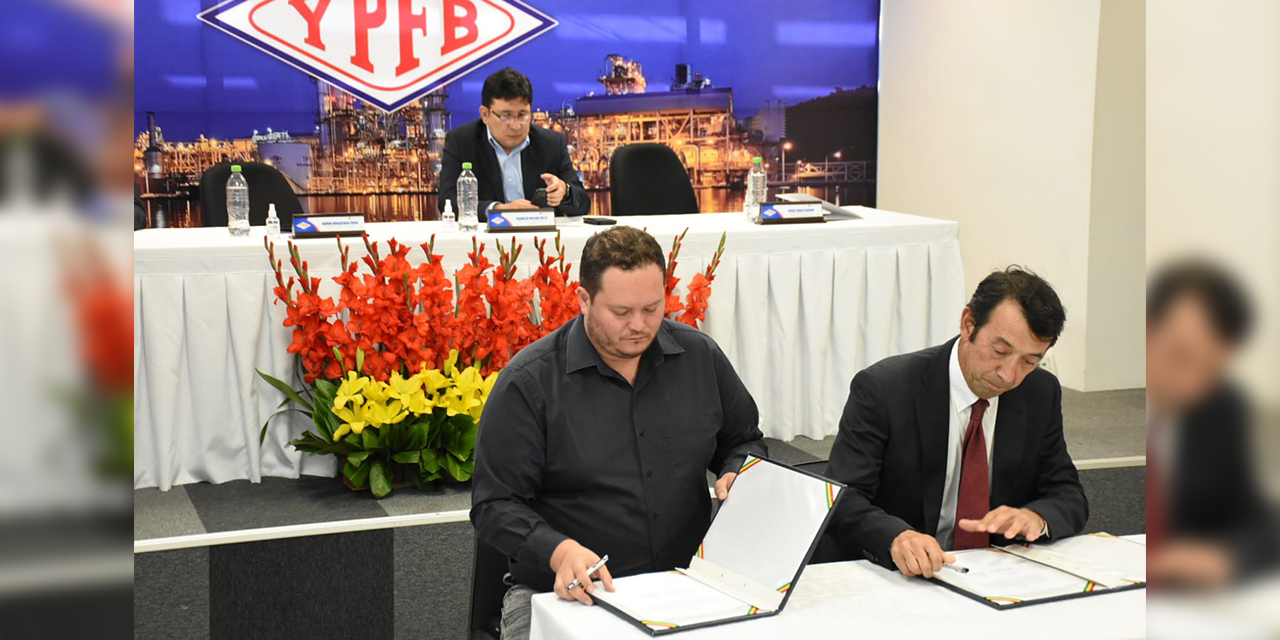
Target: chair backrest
x=487 y=590
x=266 y=186
x=649 y=178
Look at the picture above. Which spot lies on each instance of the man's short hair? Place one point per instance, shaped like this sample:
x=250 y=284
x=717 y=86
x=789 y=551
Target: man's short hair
x=1223 y=299
x=626 y=248
x=1040 y=304
x=506 y=84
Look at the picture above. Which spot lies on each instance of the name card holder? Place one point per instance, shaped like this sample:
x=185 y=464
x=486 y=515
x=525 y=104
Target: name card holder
x=782 y=212
x=328 y=225
x=522 y=220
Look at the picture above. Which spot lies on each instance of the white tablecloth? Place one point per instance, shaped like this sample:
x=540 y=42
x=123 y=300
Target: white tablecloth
x=863 y=600
x=798 y=309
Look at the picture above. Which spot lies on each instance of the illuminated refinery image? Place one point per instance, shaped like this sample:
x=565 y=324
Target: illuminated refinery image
x=362 y=158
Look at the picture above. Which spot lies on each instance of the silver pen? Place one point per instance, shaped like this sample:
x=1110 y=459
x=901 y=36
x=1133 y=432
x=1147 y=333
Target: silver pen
x=955 y=567
x=594 y=568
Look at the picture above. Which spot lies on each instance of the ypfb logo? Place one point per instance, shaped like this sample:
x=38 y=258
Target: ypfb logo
x=387 y=52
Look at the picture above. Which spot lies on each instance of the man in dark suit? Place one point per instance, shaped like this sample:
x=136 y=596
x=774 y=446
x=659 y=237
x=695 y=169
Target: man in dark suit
x=511 y=157
x=1207 y=522
x=959 y=446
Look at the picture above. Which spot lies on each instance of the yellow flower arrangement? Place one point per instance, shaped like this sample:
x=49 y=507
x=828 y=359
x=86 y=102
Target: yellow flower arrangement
x=363 y=402
x=426 y=422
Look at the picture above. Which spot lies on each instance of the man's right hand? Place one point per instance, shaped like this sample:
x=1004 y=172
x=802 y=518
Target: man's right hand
x=917 y=554
x=570 y=561
x=522 y=203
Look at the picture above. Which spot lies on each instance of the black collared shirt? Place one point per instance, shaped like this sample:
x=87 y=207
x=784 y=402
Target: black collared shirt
x=568 y=449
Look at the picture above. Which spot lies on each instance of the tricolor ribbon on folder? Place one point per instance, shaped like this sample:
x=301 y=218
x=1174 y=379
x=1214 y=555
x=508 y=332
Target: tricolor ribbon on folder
x=658 y=625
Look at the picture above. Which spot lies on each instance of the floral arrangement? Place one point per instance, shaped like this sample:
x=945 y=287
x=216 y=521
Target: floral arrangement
x=372 y=386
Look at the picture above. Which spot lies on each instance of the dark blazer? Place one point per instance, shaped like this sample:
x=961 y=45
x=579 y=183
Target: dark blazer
x=1214 y=493
x=547 y=152
x=892 y=448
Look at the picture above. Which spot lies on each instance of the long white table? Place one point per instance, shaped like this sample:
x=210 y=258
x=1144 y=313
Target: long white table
x=798 y=309
x=863 y=600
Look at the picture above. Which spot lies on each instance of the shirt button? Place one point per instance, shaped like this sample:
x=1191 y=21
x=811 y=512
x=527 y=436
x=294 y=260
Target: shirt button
x=641 y=434
x=648 y=474
x=653 y=516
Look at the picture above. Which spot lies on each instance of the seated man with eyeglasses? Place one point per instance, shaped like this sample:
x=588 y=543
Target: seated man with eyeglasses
x=513 y=159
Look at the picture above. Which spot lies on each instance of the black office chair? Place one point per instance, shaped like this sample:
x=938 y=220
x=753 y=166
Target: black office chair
x=266 y=186
x=487 y=591
x=648 y=178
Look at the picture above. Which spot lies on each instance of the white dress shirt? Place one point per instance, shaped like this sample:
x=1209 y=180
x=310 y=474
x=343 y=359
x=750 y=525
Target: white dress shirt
x=512 y=171
x=962 y=399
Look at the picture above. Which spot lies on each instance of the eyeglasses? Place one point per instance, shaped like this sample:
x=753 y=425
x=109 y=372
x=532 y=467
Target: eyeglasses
x=514 y=118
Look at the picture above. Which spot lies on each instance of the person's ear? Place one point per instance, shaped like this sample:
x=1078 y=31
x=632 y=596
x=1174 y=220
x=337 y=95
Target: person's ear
x=967 y=324
x=584 y=299
x=484 y=112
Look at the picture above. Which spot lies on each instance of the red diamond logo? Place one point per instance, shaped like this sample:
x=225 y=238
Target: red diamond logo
x=386 y=52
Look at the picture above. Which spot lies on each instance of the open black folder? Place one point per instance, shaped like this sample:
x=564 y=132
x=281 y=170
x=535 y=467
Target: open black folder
x=1025 y=574
x=750 y=559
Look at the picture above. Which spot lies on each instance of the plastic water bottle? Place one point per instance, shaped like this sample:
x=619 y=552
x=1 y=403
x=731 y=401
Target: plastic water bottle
x=273 y=221
x=468 y=200
x=157 y=219
x=450 y=222
x=237 y=203
x=756 y=186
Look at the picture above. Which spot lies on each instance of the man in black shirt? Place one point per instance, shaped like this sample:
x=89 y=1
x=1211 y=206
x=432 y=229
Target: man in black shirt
x=596 y=439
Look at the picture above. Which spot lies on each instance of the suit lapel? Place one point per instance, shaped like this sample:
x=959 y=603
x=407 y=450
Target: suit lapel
x=488 y=163
x=1010 y=440
x=932 y=405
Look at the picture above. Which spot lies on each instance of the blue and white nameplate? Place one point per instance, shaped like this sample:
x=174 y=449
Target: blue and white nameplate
x=328 y=224
x=522 y=220
x=781 y=212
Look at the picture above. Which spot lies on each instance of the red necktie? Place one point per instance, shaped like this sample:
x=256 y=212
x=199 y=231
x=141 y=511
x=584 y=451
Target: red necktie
x=975 y=494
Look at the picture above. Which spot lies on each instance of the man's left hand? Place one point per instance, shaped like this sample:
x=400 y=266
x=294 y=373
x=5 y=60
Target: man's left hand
x=556 y=189
x=723 y=484
x=1008 y=521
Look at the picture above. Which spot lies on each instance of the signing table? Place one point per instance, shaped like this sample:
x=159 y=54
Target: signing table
x=863 y=600
x=798 y=309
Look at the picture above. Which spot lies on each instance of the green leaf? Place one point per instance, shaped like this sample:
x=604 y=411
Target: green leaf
x=408 y=457
x=284 y=388
x=379 y=479
x=356 y=474
x=419 y=435
x=262 y=435
x=326 y=388
x=358 y=458
x=359 y=361
x=461 y=471
x=430 y=463
x=370 y=438
x=464 y=440
x=326 y=422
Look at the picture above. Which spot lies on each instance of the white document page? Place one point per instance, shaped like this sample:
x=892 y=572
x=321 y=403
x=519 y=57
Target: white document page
x=1098 y=556
x=1005 y=579
x=669 y=599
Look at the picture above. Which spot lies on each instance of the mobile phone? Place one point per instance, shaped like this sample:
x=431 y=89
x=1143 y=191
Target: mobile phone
x=605 y=220
x=539 y=198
